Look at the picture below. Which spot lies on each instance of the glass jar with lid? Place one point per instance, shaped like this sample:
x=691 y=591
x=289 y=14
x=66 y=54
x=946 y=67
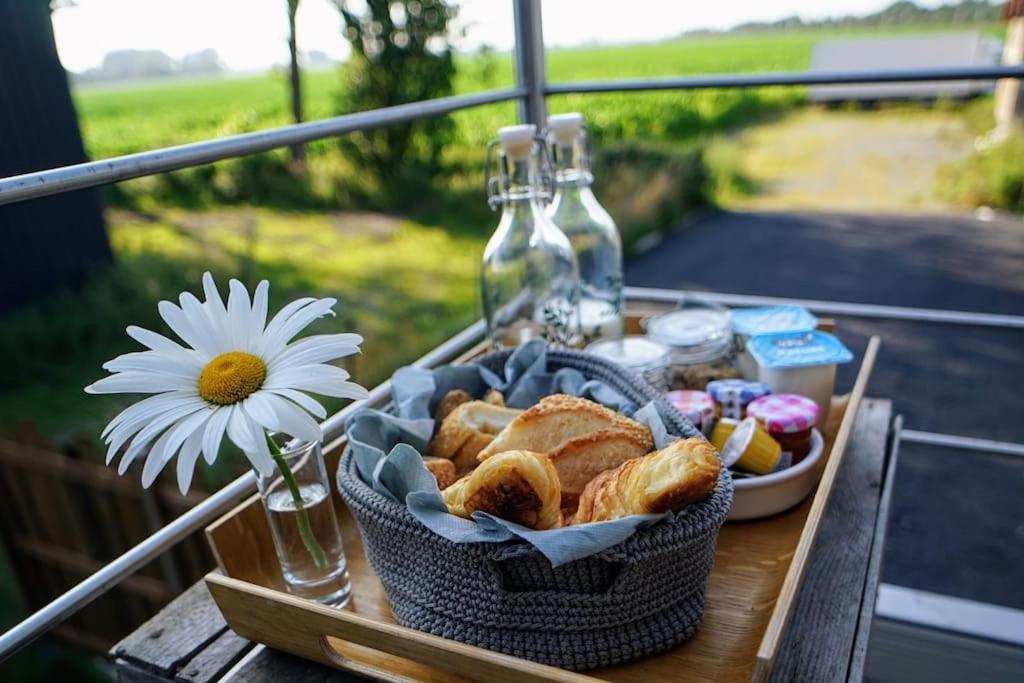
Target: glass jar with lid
x=635 y=352
x=700 y=340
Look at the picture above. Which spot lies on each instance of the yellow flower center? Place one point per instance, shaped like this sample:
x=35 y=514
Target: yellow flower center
x=230 y=377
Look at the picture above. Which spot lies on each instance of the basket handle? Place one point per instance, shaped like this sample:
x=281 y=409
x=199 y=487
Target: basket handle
x=499 y=564
x=347 y=640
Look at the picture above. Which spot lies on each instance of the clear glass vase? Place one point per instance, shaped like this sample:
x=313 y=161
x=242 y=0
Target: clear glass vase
x=297 y=502
x=529 y=280
x=591 y=231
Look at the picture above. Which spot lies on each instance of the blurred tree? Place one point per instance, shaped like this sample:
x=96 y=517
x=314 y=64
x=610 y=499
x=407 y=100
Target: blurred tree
x=400 y=53
x=295 y=79
x=54 y=241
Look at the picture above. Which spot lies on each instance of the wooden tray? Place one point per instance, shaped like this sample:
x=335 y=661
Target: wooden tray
x=758 y=569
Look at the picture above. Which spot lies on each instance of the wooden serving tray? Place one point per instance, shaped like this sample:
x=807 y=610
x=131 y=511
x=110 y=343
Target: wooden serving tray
x=758 y=569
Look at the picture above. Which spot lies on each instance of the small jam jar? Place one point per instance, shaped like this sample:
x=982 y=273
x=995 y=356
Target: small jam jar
x=701 y=347
x=696 y=406
x=789 y=419
x=731 y=396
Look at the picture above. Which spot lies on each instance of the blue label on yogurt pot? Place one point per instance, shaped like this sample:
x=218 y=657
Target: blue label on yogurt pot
x=797 y=349
x=768 y=319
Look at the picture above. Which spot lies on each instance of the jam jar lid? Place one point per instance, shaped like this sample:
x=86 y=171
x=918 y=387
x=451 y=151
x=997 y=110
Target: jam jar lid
x=695 y=333
x=635 y=352
x=784 y=413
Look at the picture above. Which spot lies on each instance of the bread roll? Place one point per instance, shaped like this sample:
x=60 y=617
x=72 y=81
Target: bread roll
x=467 y=430
x=683 y=472
x=518 y=486
x=452 y=400
x=581 y=459
x=556 y=420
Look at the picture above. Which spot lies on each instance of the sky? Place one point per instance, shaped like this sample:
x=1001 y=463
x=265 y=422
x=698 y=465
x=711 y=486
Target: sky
x=251 y=34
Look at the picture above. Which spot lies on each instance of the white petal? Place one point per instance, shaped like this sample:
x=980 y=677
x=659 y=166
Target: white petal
x=260 y=455
x=140 y=406
x=139 y=383
x=142 y=413
x=150 y=361
x=273 y=340
x=238 y=431
x=258 y=319
x=264 y=348
x=182 y=326
x=307 y=402
x=154 y=427
x=169 y=443
x=208 y=339
x=214 y=433
x=320 y=379
x=281 y=415
x=163 y=345
x=239 y=311
x=155 y=461
x=318 y=348
x=187 y=460
x=216 y=312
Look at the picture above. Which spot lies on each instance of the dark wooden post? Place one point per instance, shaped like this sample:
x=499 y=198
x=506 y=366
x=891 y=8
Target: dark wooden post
x=55 y=241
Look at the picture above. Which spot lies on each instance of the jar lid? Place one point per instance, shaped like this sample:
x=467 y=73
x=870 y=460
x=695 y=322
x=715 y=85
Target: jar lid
x=784 y=413
x=699 y=332
x=696 y=406
x=766 y=319
x=736 y=391
x=635 y=352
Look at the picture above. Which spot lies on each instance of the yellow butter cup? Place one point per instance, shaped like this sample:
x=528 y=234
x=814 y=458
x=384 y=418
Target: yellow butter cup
x=747 y=446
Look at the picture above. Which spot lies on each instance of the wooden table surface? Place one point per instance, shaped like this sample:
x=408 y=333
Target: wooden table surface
x=826 y=640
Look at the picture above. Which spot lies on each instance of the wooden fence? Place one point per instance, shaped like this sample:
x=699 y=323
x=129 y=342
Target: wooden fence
x=62 y=518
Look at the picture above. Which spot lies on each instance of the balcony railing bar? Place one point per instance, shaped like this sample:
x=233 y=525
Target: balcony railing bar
x=79 y=176
x=840 y=308
x=791 y=78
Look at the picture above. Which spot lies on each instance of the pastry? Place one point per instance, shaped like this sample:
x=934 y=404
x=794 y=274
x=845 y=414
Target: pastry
x=452 y=400
x=467 y=430
x=494 y=397
x=518 y=486
x=581 y=459
x=556 y=420
x=442 y=469
x=683 y=472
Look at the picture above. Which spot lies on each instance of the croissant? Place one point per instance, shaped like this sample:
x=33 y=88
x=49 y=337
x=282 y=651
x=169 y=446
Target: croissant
x=518 y=486
x=467 y=430
x=581 y=459
x=556 y=420
x=442 y=469
x=683 y=472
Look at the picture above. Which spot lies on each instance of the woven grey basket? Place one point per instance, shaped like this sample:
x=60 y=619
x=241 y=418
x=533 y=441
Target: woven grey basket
x=639 y=597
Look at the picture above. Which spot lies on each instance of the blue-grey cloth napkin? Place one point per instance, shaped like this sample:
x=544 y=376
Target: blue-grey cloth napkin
x=387 y=449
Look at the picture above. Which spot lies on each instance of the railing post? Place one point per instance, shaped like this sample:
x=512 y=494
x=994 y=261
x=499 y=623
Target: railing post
x=531 y=69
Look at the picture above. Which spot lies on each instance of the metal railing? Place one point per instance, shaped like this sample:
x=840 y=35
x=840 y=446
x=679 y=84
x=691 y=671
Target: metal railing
x=530 y=92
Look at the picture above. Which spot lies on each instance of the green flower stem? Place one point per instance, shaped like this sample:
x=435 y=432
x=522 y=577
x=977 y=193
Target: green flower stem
x=301 y=516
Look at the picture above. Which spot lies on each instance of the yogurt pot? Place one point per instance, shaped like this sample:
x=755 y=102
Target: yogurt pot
x=749 y=322
x=802 y=363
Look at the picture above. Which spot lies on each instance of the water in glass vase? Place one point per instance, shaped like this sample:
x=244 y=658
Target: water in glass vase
x=306 y=536
x=329 y=585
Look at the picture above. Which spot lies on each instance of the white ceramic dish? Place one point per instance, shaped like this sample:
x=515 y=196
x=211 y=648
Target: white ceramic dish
x=769 y=494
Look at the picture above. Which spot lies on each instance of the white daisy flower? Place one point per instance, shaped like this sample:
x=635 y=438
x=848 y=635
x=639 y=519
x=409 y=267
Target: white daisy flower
x=237 y=375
